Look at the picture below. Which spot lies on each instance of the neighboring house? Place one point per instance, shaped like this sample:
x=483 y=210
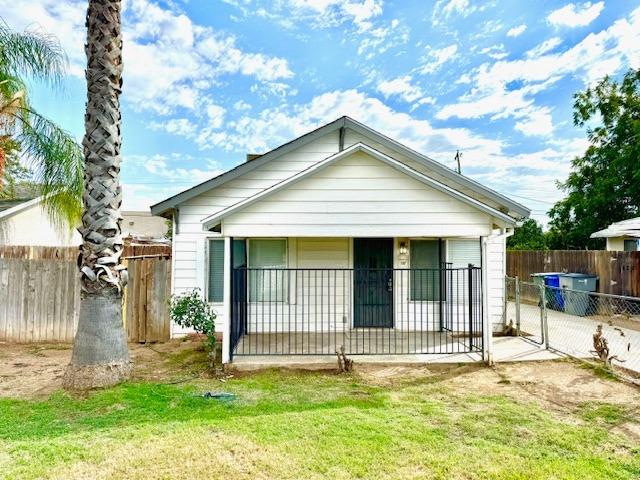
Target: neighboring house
x=344 y=237
x=621 y=236
x=25 y=222
x=143 y=224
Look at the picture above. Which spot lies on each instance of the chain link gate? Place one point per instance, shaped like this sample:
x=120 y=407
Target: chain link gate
x=566 y=320
x=525 y=310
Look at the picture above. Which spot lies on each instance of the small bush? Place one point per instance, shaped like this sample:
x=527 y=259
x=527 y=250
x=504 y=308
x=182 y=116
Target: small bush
x=190 y=310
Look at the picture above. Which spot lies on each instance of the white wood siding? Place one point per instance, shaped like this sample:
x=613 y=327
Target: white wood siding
x=496 y=271
x=358 y=196
x=351 y=138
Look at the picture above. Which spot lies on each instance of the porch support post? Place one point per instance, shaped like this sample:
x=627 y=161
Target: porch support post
x=487 y=340
x=226 y=296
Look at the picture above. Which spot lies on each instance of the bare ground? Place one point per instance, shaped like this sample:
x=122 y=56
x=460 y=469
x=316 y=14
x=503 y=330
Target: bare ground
x=35 y=371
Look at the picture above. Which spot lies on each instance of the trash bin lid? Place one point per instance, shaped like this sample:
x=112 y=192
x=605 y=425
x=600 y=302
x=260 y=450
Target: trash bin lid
x=579 y=275
x=546 y=274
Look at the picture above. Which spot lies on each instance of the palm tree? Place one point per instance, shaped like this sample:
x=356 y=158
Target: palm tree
x=100 y=352
x=52 y=153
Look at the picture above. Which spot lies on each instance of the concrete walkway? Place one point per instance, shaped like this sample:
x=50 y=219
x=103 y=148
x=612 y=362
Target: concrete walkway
x=506 y=349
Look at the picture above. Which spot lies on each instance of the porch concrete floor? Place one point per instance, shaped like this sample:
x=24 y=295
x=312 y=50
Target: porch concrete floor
x=505 y=349
x=358 y=341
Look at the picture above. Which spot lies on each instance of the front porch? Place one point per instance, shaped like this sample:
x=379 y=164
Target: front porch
x=366 y=311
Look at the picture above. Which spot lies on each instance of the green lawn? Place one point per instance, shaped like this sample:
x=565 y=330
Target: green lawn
x=311 y=425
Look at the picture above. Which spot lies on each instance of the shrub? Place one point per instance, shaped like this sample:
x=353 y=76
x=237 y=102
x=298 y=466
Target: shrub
x=190 y=310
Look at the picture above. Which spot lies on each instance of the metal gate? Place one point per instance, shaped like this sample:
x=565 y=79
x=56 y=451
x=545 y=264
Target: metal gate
x=525 y=309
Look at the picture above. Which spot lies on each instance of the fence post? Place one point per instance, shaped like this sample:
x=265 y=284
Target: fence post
x=470 y=283
x=517 y=302
x=543 y=315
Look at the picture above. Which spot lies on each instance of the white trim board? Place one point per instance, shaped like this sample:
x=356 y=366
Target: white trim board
x=214 y=219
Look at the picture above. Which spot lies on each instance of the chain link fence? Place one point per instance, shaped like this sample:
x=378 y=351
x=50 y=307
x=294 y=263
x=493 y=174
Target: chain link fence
x=567 y=320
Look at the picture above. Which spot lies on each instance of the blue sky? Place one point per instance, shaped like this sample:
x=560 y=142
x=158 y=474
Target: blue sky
x=206 y=82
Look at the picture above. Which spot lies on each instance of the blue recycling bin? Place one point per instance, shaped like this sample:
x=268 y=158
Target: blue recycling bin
x=555 y=299
x=553 y=296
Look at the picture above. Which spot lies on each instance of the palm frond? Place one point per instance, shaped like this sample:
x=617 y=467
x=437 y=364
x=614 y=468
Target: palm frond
x=32 y=53
x=57 y=161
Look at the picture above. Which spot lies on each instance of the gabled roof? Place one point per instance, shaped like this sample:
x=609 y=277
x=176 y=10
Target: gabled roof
x=358 y=147
x=343 y=122
x=625 y=228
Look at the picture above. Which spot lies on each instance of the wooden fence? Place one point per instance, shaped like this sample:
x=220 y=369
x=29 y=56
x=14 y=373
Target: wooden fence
x=618 y=272
x=40 y=293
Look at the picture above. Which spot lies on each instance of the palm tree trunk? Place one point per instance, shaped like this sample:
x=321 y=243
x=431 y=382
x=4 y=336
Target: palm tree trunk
x=100 y=352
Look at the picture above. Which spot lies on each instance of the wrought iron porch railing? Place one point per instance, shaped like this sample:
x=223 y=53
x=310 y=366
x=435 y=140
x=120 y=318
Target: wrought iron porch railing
x=300 y=311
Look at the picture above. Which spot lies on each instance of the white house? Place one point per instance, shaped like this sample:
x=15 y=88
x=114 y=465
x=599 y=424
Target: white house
x=139 y=223
x=621 y=236
x=18 y=219
x=344 y=237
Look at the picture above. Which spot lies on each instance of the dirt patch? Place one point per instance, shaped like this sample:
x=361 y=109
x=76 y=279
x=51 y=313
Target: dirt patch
x=36 y=370
x=561 y=386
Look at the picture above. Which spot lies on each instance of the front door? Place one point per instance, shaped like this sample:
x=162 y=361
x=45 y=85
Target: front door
x=373 y=282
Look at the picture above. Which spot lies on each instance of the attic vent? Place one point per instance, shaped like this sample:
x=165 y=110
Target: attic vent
x=253 y=156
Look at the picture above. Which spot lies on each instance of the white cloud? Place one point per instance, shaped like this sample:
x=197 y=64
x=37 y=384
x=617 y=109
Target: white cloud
x=537 y=122
x=402 y=87
x=156 y=177
x=443 y=9
x=176 y=126
x=575 y=15
x=159 y=165
x=437 y=57
x=169 y=60
x=516 y=31
x=241 y=105
x=272 y=126
x=545 y=47
x=497 y=52
x=379 y=40
x=216 y=115
x=315 y=13
x=597 y=54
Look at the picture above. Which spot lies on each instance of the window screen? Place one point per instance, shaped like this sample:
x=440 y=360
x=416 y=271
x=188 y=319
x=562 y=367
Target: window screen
x=270 y=257
x=463 y=252
x=425 y=270
x=630 y=245
x=216 y=270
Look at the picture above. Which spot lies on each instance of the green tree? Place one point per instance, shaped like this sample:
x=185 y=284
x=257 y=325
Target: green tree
x=528 y=236
x=604 y=185
x=52 y=154
x=100 y=352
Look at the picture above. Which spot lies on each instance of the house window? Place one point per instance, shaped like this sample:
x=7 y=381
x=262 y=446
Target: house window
x=630 y=245
x=463 y=251
x=425 y=270
x=269 y=258
x=216 y=271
